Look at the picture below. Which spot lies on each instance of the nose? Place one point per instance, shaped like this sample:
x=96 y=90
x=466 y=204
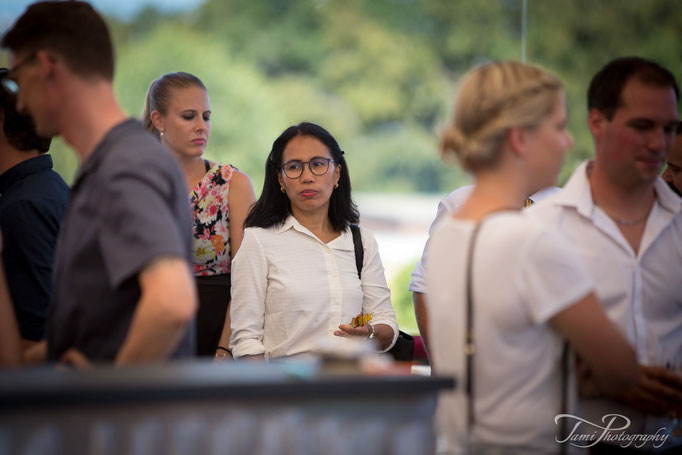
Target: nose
x=569 y=141
x=306 y=174
x=21 y=107
x=657 y=139
x=202 y=125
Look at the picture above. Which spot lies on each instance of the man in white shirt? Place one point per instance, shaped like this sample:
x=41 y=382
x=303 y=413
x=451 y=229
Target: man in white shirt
x=626 y=224
x=448 y=205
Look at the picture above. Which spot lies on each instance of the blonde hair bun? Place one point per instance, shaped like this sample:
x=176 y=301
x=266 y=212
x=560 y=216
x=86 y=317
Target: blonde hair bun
x=491 y=99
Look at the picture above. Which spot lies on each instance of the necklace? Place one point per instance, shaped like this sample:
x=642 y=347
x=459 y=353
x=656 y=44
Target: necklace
x=624 y=222
x=629 y=223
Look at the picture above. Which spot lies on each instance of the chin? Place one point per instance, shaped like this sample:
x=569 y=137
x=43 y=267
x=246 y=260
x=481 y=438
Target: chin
x=193 y=153
x=45 y=131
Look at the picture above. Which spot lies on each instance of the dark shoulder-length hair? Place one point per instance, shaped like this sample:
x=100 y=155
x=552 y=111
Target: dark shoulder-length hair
x=273 y=206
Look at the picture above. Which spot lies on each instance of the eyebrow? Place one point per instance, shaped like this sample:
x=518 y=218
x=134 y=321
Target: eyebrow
x=674 y=167
x=649 y=121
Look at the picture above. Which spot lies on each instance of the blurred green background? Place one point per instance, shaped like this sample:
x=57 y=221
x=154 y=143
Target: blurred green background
x=378 y=74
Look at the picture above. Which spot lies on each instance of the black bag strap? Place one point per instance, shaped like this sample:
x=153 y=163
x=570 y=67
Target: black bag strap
x=359 y=252
x=207 y=165
x=563 y=430
x=469 y=344
x=403 y=349
x=470 y=348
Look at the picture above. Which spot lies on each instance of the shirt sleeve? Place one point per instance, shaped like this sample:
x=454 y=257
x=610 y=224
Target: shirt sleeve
x=552 y=275
x=30 y=235
x=143 y=219
x=418 y=281
x=249 y=287
x=376 y=294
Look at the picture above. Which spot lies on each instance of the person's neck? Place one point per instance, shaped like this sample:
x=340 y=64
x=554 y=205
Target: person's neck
x=10 y=156
x=90 y=112
x=493 y=192
x=621 y=201
x=316 y=222
x=193 y=168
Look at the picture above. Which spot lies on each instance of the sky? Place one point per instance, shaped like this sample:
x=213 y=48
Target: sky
x=123 y=9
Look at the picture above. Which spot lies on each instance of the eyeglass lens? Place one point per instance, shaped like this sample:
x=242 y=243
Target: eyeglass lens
x=318 y=166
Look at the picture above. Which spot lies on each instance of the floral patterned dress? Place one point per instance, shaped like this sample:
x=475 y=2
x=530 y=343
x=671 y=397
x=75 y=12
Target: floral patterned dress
x=211 y=229
x=211 y=254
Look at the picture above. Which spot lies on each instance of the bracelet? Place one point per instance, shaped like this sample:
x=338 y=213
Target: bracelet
x=223 y=349
x=371 y=335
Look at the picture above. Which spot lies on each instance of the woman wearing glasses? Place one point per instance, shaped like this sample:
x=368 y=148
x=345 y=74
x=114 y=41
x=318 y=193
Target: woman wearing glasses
x=295 y=281
x=178 y=112
x=505 y=293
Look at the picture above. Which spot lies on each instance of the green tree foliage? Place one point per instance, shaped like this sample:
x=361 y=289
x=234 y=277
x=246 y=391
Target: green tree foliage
x=379 y=74
x=401 y=298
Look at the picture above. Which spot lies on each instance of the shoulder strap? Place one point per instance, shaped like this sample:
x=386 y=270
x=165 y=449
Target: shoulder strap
x=565 y=366
x=207 y=165
x=359 y=252
x=470 y=348
x=469 y=341
x=469 y=344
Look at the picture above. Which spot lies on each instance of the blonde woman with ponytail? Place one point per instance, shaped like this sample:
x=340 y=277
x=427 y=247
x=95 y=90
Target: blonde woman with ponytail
x=504 y=292
x=178 y=112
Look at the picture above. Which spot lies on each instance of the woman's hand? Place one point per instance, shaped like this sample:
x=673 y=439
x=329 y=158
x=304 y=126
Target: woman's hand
x=383 y=333
x=75 y=359
x=348 y=331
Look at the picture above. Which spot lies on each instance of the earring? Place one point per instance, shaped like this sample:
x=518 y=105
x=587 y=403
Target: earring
x=161 y=133
x=336 y=186
x=282 y=188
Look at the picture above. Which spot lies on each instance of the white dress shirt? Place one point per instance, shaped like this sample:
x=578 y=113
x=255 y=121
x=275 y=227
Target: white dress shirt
x=290 y=290
x=641 y=293
x=448 y=205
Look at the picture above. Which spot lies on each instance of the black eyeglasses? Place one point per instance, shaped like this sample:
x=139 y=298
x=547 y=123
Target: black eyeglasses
x=318 y=166
x=6 y=74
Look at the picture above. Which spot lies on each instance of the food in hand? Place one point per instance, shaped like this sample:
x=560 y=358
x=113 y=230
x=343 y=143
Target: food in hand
x=360 y=320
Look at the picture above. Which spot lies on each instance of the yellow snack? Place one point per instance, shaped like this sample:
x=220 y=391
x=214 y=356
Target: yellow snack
x=360 y=320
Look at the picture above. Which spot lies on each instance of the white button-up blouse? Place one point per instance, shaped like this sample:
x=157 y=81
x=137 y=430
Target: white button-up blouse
x=290 y=290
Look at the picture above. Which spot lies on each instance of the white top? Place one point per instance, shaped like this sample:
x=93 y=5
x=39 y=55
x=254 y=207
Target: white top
x=449 y=204
x=290 y=291
x=523 y=275
x=641 y=293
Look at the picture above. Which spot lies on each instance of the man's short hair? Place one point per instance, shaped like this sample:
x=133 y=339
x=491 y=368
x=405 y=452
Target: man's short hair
x=19 y=129
x=607 y=85
x=72 y=30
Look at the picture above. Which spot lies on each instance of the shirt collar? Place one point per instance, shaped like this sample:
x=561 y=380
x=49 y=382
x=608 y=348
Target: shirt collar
x=22 y=170
x=577 y=193
x=666 y=197
x=343 y=242
x=100 y=151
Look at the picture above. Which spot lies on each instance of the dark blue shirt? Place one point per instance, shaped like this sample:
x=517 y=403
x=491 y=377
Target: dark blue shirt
x=33 y=198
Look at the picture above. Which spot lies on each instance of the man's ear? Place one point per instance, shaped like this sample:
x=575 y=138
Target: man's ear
x=48 y=64
x=596 y=121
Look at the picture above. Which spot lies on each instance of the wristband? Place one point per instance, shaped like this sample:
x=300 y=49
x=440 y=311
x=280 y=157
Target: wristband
x=371 y=335
x=223 y=349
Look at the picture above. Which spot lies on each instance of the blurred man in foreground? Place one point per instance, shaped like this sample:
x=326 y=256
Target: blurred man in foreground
x=123 y=291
